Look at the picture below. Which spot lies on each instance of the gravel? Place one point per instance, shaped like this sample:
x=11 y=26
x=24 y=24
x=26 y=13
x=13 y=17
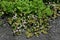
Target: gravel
x=53 y=34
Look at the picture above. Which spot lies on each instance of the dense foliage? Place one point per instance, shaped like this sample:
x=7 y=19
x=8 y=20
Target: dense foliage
x=26 y=16
x=24 y=6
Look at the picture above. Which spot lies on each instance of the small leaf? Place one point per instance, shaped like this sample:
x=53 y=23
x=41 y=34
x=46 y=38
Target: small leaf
x=48 y=11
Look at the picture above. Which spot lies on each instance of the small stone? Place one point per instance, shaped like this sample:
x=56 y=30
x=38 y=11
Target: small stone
x=28 y=16
x=2 y=12
x=19 y=30
x=18 y=27
x=16 y=30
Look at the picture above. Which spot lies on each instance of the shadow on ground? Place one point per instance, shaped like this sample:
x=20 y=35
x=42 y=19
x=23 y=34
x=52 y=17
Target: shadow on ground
x=54 y=32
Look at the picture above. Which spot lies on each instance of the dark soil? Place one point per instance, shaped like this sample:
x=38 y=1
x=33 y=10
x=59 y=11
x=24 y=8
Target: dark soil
x=53 y=34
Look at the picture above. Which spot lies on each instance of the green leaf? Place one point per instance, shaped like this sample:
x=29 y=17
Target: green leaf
x=0 y=15
x=48 y=11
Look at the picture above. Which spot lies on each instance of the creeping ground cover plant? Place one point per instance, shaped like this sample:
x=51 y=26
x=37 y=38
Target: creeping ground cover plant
x=29 y=17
